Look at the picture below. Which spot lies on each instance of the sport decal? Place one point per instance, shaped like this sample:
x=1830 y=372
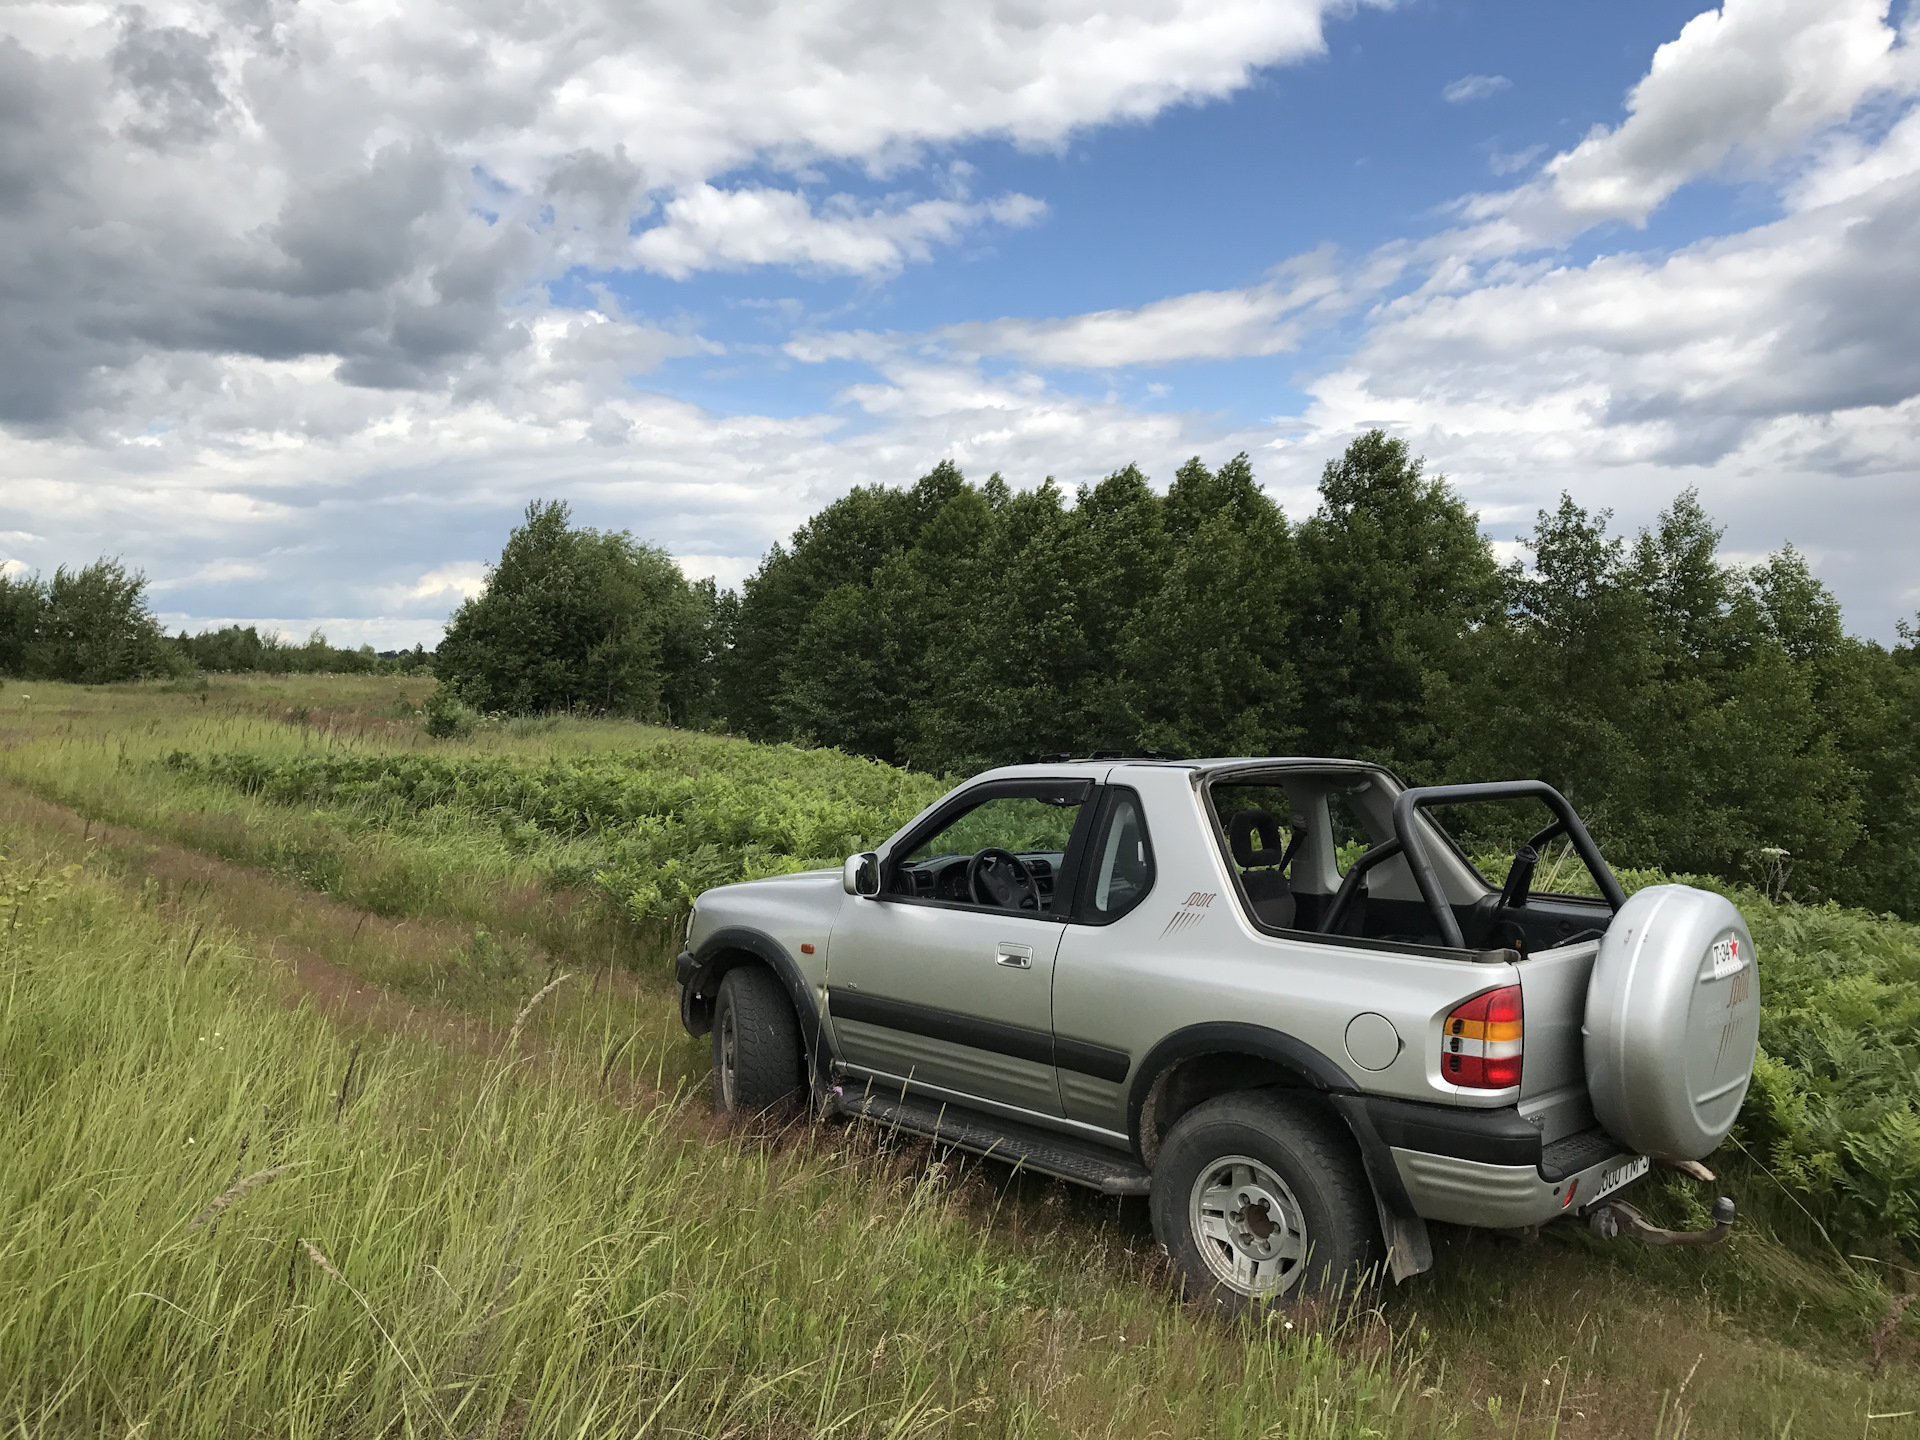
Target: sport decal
x=1190 y=913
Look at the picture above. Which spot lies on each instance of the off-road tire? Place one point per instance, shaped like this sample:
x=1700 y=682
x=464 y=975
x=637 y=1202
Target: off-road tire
x=754 y=1019
x=1319 y=1174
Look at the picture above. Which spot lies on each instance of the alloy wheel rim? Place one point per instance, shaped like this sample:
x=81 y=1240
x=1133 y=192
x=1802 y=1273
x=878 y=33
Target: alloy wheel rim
x=1248 y=1226
x=726 y=1058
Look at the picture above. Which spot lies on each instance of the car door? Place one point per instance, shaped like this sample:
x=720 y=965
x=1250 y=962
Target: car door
x=947 y=984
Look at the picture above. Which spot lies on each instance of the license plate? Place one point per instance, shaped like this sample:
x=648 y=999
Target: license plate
x=1623 y=1174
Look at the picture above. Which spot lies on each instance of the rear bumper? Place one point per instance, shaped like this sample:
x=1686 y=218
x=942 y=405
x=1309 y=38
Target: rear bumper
x=1483 y=1167
x=1501 y=1197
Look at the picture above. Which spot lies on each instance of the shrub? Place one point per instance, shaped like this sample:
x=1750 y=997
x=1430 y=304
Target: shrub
x=446 y=716
x=573 y=619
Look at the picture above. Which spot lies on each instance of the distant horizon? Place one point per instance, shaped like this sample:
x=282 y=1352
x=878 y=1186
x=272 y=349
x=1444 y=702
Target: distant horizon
x=305 y=308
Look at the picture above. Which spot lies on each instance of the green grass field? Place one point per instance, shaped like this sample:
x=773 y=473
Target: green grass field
x=343 y=1095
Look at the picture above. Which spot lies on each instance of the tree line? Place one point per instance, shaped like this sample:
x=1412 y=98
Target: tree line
x=93 y=626
x=1704 y=716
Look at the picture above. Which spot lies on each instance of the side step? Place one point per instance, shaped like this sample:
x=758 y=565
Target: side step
x=1023 y=1146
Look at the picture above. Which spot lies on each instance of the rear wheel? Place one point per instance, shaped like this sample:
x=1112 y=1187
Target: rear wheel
x=758 y=1060
x=1260 y=1199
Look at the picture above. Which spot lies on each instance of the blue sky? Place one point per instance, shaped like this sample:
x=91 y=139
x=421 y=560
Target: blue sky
x=308 y=304
x=1353 y=148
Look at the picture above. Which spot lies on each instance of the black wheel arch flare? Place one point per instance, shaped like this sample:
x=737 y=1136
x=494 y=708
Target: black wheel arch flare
x=701 y=971
x=1228 y=1039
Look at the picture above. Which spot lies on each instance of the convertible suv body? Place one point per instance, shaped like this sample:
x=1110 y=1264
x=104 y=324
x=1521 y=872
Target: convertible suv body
x=1273 y=995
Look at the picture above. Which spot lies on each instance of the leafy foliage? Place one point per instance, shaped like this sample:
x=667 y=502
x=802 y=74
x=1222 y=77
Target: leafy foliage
x=669 y=820
x=576 y=620
x=91 y=626
x=1835 y=1107
x=1704 y=716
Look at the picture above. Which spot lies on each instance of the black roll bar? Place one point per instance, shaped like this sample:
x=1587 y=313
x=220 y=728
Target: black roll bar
x=1343 y=897
x=1414 y=843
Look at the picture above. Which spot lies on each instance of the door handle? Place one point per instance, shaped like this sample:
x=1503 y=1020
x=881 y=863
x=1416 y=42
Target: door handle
x=1013 y=956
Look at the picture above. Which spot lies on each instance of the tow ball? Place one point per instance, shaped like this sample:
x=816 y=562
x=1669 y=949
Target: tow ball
x=1613 y=1218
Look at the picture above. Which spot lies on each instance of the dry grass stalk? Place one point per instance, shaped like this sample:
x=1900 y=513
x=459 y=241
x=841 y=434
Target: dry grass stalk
x=318 y=1256
x=520 y=1020
x=1883 y=1332
x=227 y=1197
x=327 y=1267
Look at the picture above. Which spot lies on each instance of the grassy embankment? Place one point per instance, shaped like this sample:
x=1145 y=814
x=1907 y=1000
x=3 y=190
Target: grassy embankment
x=515 y=1227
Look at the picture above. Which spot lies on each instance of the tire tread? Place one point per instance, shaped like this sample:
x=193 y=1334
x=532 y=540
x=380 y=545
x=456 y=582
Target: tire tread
x=769 y=1058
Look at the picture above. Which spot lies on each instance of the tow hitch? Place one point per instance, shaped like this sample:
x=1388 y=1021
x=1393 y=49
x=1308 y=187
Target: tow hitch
x=1612 y=1218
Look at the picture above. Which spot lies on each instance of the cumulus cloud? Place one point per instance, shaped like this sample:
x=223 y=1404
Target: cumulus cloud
x=1743 y=86
x=463 y=578
x=1213 y=324
x=276 y=284
x=708 y=228
x=1469 y=88
x=385 y=187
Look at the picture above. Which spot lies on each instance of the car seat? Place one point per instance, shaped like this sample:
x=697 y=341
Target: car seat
x=1254 y=837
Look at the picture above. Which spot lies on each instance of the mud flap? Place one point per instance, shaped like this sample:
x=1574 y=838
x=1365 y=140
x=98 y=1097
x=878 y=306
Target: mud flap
x=1409 y=1248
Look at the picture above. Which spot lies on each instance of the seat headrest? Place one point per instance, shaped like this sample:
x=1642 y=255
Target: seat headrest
x=1254 y=836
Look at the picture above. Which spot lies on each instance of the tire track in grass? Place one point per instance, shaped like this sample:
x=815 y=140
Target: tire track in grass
x=342 y=959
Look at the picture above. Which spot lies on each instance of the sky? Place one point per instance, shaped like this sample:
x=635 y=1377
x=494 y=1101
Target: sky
x=301 y=304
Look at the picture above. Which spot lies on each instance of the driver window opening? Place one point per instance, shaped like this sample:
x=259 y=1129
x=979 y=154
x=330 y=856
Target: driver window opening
x=1005 y=853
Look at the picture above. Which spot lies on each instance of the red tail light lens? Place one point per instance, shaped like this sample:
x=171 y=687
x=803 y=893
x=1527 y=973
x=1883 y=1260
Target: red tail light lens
x=1481 y=1041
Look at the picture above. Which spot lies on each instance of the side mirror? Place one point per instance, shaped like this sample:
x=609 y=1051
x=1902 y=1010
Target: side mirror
x=861 y=874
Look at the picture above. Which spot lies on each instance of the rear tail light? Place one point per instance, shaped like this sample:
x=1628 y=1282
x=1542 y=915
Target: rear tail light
x=1480 y=1048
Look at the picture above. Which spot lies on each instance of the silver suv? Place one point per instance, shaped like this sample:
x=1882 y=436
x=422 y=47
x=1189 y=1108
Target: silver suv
x=1272 y=995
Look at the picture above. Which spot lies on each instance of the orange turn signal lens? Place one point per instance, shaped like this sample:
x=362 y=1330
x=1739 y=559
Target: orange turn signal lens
x=1481 y=1041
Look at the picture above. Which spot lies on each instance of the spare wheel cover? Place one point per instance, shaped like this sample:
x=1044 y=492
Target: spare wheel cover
x=1673 y=1021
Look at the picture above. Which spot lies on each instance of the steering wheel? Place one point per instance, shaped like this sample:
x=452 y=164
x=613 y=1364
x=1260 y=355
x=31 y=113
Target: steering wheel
x=998 y=877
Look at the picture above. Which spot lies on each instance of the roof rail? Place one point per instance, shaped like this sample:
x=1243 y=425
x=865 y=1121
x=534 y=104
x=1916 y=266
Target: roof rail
x=1062 y=757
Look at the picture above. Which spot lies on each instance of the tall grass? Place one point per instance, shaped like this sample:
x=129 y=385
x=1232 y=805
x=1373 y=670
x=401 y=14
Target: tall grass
x=435 y=1242
x=535 y=1247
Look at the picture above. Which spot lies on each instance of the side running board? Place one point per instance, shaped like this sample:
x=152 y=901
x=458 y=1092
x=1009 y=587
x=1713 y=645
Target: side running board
x=1022 y=1146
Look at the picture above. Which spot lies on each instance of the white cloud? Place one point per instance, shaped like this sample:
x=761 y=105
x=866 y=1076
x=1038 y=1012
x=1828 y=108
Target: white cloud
x=216 y=572
x=727 y=571
x=464 y=578
x=707 y=228
x=1469 y=88
x=1209 y=324
x=1305 y=293
x=276 y=285
x=1742 y=86
x=382 y=187
x=1689 y=353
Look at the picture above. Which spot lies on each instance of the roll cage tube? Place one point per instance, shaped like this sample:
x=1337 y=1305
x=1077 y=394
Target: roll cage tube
x=1407 y=832
x=1350 y=884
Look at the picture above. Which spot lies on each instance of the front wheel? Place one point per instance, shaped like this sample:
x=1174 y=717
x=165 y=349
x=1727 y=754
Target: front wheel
x=1260 y=1199
x=758 y=1060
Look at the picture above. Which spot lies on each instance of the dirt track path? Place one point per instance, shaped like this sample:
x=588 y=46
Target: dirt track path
x=331 y=953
